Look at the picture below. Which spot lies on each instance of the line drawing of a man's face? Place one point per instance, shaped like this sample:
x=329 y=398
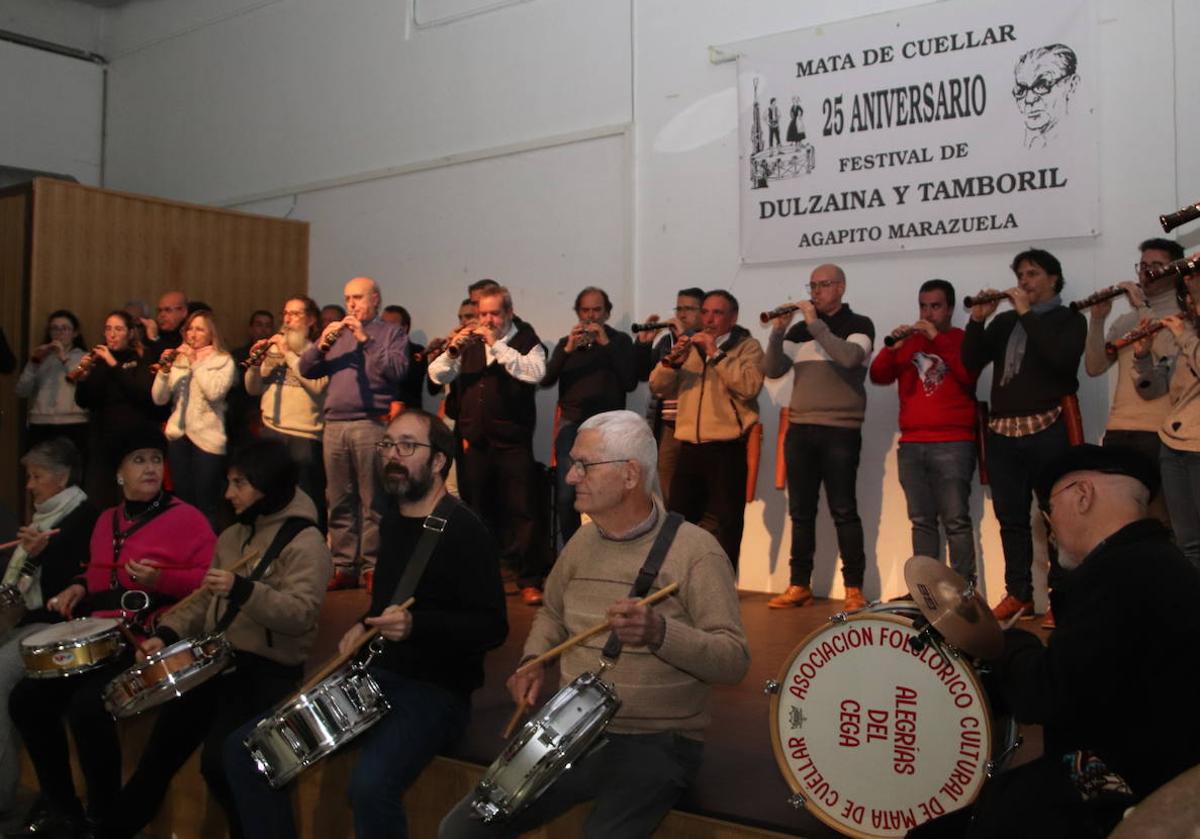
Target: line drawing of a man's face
x=1044 y=80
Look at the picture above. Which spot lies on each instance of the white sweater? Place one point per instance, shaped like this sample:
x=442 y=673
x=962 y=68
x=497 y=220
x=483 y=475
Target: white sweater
x=53 y=397
x=291 y=404
x=198 y=394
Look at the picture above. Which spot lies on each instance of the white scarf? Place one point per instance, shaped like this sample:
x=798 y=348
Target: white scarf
x=50 y=512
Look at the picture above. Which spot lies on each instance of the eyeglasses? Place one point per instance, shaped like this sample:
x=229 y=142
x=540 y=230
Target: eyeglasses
x=404 y=448
x=1143 y=267
x=296 y=313
x=1048 y=508
x=820 y=284
x=582 y=466
x=680 y=309
x=1039 y=88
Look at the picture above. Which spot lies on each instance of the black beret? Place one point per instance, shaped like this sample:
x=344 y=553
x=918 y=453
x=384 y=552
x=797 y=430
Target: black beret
x=1109 y=460
x=134 y=437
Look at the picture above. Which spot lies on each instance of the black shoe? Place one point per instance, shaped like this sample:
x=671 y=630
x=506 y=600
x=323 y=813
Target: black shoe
x=48 y=823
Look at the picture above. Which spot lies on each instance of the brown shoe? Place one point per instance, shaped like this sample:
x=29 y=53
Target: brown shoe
x=1009 y=606
x=790 y=599
x=531 y=596
x=854 y=600
x=1048 y=620
x=342 y=579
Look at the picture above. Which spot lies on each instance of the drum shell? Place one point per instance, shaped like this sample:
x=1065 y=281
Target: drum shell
x=563 y=731
x=71 y=656
x=315 y=723
x=166 y=674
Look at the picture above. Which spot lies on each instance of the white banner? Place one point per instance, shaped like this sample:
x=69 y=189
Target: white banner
x=950 y=124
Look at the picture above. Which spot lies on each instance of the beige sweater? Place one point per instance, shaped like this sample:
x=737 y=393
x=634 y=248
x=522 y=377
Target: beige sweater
x=666 y=689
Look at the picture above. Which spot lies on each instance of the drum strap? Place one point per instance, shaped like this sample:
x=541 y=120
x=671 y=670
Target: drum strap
x=646 y=576
x=289 y=530
x=435 y=524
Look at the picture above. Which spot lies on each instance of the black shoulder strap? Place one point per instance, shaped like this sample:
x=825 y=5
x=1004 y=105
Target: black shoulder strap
x=289 y=530
x=435 y=524
x=647 y=575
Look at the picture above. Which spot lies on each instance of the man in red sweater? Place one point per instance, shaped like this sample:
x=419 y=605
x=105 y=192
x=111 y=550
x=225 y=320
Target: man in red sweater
x=937 y=425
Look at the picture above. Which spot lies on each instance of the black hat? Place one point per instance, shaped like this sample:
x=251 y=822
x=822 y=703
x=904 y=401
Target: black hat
x=1110 y=460
x=137 y=436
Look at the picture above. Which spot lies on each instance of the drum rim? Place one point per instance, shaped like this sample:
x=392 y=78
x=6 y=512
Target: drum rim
x=794 y=784
x=167 y=684
x=75 y=643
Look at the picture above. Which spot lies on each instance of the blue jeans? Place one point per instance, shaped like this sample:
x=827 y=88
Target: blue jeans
x=937 y=485
x=1181 y=488
x=424 y=720
x=815 y=455
x=568 y=517
x=198 y=477
x=634 y=779
x=1014 y=464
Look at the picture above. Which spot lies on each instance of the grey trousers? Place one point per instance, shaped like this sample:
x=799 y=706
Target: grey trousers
x=354 y=491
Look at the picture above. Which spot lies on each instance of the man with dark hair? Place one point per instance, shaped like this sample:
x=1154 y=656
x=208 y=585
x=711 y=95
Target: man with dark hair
x=1134 y=420
x=717 y=386
x=494 y=375
x=1034 y=351
x=365 y=359
x=593 y=368
x=1044 y=80
x=647 y=353
x=936 y=455
x=824 y=435
x=331 y=314
x=414 y=380
x=242 y=416
x=432 y=658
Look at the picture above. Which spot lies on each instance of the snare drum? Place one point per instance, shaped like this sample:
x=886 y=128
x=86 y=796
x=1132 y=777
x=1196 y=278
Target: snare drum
x=166 y=674
x=67 y=649
x=873 y=735
x=563 y=731
x=315 y=723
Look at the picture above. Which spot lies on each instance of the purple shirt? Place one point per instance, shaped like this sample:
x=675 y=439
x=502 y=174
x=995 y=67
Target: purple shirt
x=365 y=378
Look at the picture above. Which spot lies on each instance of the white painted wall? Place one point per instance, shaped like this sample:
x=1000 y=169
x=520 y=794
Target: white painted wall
x=231 y=99
x=52 y=112
x=67 y=23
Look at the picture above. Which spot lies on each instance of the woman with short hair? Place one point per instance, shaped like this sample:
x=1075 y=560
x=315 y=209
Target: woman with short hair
x=53 y=551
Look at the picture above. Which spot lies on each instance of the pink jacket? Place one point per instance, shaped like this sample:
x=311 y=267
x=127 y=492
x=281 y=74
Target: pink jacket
x=179 y=539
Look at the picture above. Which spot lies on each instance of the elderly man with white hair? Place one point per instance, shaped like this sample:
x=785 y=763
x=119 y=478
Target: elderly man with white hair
x=674 y=651
x=1115 y=687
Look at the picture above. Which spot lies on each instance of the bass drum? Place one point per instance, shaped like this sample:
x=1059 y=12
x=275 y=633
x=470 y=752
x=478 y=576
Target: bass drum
x=873 y=735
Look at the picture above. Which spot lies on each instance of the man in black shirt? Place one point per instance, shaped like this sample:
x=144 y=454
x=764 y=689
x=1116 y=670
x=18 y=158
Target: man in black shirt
x=593 y=368
x=433 y=658
x=1034 y=351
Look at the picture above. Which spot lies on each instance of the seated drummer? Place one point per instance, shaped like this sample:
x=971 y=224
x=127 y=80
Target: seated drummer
x=268 y=611
x=673 y=651
x=433 y=658
x=1114 y=687
x=45 y=560
x=145 y=553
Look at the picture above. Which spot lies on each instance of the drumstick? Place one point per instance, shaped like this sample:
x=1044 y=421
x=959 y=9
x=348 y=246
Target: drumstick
x=15 y=542
x=237 y=566
x=131 y=638
x=340 y=659
x=555 y=652
x=522 y=707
